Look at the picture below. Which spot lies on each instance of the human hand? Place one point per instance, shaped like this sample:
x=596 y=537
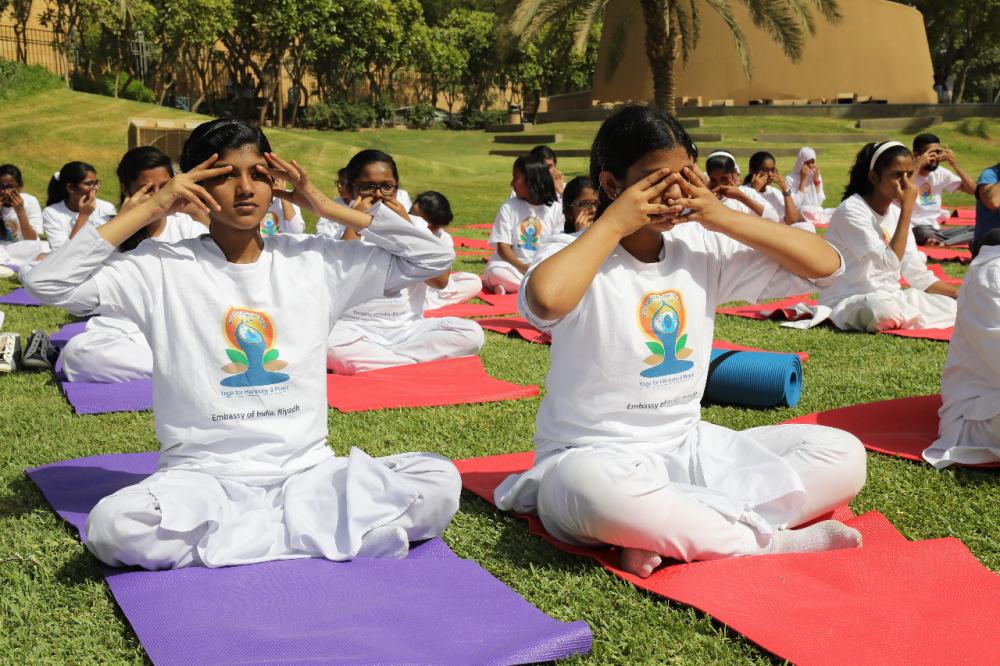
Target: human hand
x=363 y=203
x=760 y=180
x=584 y=219
x=948 y=155
x=88 y=204
x=14 y=200
x=906 y=190
x=140 y=197
x=700 y=204
x=303 y=194
x=817 y=178
x=727 y=192
x=642 y=204
x=806 y=172
x=183 y=190
x=398 y=208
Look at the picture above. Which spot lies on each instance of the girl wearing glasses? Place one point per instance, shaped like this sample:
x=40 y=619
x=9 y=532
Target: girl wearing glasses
x=579 y=204
x=73 y=203
x=20 y=221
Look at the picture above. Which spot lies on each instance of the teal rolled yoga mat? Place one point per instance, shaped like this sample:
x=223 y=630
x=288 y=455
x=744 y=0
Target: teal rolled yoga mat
x=754 y=379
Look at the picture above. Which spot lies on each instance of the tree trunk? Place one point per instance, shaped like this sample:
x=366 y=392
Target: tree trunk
x=661 y=53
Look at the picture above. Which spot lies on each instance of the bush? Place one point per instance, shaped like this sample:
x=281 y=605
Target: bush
x=475 y=119
x=421 y=115
x=23 y=80
x=105 y=85
x=385 y=111
x=339 y=115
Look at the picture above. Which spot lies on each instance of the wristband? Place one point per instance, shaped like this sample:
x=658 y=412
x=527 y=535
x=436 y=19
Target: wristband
x=786 y=193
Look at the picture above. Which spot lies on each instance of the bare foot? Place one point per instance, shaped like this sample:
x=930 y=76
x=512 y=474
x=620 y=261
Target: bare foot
x=639 y=562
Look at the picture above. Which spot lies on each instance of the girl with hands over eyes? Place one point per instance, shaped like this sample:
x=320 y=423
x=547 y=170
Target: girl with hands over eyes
x=630 y=305
x=765 y=179
x=871 y=229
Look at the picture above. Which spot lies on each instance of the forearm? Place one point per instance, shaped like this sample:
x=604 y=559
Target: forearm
x=792 y=213
x=439 y=281
x=418 y=255
x=63 y=279
x=902 y=233
x=506 y=253
x=559 y=282
x=798 y=252
x=943 y=289
x=968 y=184
x=27 y=231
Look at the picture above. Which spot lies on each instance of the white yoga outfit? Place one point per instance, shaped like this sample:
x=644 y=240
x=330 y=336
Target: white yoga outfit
x=19 y=252
x=809 y=200
x=770 y=212
x=112 y=349
x=32 y=210
x=523 y=226
x=275 y=221
x=239 y=398
x=461 y=287
x=928 y=211
x=621 y=454
x=774 y=197
x=391 y=331
x=58 y=220
x=869 y=297
x=969 y=432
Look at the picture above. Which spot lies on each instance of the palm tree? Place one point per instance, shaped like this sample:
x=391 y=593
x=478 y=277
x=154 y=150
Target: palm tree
x=673 y=26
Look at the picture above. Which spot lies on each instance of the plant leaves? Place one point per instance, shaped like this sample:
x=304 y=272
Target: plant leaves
x=681 y=343
x=237 y=356
x=235 y=368
x=656 y=348
x=270 y=355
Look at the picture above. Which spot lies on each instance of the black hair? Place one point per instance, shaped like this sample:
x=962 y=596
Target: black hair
x=574 y=189
x=342 y=174
x=133 y=163
x=722 y=163
x=991 y=237
x=858 y=182
x=921 y=141
x=13 y=172
x=219 y=135
x=71 y=173
x=137 y=160
x=545 y=153
x=541 y=187
x=756 y=161
x=627 y=135
x=366 y=157
x=435 y=208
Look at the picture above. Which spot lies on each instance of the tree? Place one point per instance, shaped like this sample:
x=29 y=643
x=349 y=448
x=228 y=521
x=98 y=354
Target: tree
x=672 y=28
x=187 y=32
x=20 y=11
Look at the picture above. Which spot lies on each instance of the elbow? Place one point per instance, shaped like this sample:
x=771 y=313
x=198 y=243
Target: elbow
x=544 y=303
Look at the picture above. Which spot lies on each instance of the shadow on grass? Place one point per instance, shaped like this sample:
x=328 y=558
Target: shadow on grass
x=965 y=476
x=22 y=497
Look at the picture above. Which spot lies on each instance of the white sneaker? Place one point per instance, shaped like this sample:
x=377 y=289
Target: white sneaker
x=10 y=352
x=6 y=272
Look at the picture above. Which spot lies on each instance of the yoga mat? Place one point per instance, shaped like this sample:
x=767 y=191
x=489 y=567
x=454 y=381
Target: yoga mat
x=783 y=309
x=500 y=300
x=890 y=602
x=453 y=381
x=946 y=254
x=515 y=326
x=754 y=378
x=938 y=271
x=940 y=334
x=486 y=225
x=100 y=398
x=473 y=243
x=469 y=310
x=903 y=427
x=431 y=607
x=63 y=335
x=19 y=296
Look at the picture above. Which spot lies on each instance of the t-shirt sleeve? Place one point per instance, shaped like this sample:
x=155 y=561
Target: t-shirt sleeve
x=989 y=176
x=949 y=181
x=503 y=227
x=548 y=248
x=746 y=274
x=34 y=212
x=355 y=273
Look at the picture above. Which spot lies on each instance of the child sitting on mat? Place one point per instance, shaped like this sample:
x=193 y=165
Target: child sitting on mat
x=435 y=209
x=806 y=184
x=622 y=456
x=522 y=222
x=113 y=349
x=723 y=177
x=238 y=324
x=969 y=432
x=765 y=180
x=873 y=234
x=391 y=330
x=72 y=203
x=20 y=220
x=931 y=180
x=579 y=204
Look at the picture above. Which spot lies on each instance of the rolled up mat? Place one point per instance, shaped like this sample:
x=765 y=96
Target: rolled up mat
x=19 y=296
x=754 y=379
x=430 y=608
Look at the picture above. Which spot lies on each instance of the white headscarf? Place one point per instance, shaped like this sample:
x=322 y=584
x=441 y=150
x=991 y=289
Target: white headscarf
x=805 y=154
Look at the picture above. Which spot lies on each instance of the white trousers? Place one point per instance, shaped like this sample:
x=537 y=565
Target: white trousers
x=107 y=354
x=625 y=497
x=502 y=274
x=20 y=253
x=353 y=347
x=182 y=518
x=881 y=311
x=461 y=287
x=966 y=442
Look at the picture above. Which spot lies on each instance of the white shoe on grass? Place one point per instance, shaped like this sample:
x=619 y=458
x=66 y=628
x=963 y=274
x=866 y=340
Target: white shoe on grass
x=10 y=352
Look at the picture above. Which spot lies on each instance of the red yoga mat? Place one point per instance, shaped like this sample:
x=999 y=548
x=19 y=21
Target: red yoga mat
x=473 y=243
x=946 y=254
x=903 y=427
x=502 y=300
x=469 y=310
x=890 y=602
x=938 y=271
x=940 y=334
x=486 y=225
x=453 y=381
x=783 y=309
x=516 y=326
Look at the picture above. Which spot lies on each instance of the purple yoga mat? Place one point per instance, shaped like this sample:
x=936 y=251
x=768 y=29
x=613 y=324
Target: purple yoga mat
x=19 y=296
x=431 y=607
x=62 y=336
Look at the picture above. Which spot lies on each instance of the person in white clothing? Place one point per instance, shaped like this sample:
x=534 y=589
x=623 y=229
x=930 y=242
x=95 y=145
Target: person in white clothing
x=969 y=430
x=21 y=219
x=435 y=209
x=391 y=330
x=806 y=184
x=522 y=222
x=622 y=456
x=931 y=181
x=724 y=180
x=282 y=217
x=239 y=385
x=579 y=204
x=113 y=349
x=765 y=180
x=329 y=227
x=871 y=229
x=73 y=203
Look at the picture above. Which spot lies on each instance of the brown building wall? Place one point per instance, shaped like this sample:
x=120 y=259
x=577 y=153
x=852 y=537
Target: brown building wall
x=878 y=48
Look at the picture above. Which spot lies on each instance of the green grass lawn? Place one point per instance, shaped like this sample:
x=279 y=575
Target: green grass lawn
x=54 y=607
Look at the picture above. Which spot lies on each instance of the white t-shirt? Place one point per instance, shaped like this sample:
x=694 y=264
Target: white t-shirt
x=332 y=229
x=275 y=222
x=523 y=226
x=58 y=220
x=31 y=208
x=929 y=189
x=862 y=237
x=630 y=361
x=239 y=350
x=770 y=213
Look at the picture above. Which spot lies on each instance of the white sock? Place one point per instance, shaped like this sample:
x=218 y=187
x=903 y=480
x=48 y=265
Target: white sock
x=826 y=535
x=387 y=542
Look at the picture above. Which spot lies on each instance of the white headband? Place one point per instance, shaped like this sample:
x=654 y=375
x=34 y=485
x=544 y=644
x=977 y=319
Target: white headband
x=881 y=149
x=56 y=175
x=722 y=153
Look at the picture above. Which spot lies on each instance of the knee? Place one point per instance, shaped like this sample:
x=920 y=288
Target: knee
x=881 y=313
x=845 y=453
x=582 y=481
x=438 y=482
x=70 y=359
x=473 y=337
x=118 y=524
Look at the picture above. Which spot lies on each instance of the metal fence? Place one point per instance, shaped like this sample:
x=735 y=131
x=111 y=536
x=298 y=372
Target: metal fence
x=38 y=47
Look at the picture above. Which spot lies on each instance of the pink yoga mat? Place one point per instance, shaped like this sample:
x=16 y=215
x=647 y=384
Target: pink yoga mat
x=473 y=243
x=453 y=381
x=946 y=254
x=903 y=427
x=469 y=310
x=515 y=326
x=890 y=602
x=940 y=334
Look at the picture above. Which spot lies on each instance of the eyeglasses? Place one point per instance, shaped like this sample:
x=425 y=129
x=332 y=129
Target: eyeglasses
x=91 y=183
x=368 y=189
x=587 y=203
x=6 y=187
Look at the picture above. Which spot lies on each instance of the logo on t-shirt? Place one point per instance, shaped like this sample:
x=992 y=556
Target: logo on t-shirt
x=269 y=225
x=252 y=354
x=529 y=232
x=925 y=196
x=662 y=318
